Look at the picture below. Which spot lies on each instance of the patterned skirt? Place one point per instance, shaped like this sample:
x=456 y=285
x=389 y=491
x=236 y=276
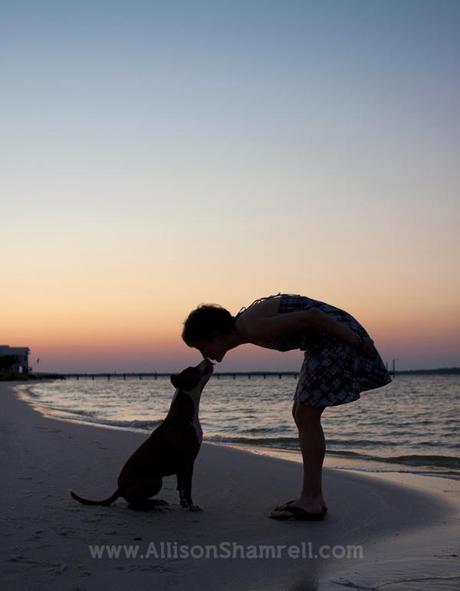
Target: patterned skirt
x=333 y=372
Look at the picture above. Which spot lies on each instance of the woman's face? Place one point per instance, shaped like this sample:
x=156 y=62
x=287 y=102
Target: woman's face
x=214 y=349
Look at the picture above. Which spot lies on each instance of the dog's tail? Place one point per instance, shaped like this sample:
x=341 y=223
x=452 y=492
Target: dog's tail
x=105 y=502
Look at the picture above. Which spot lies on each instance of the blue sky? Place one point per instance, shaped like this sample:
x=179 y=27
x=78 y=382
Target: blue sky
x=303 y=146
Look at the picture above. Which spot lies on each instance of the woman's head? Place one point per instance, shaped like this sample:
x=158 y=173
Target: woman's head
x=207 y=328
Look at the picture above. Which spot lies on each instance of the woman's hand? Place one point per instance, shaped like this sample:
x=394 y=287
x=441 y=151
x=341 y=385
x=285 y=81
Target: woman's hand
x=326 y=322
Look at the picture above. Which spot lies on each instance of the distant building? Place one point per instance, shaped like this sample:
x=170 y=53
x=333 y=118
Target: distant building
x=15 y=359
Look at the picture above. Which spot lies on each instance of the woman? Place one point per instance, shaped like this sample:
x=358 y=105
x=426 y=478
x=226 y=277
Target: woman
x=340 y=361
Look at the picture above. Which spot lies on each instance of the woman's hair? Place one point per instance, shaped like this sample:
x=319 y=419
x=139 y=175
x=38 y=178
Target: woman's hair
x=202 y=321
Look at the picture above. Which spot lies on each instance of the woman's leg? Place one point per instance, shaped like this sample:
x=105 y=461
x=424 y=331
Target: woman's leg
x=312 y=444
x=313 y=448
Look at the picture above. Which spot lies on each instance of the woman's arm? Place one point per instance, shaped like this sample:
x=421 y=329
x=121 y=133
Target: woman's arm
x=272 y=327
x=269 y=328
x=336 y=328
x=329 y=324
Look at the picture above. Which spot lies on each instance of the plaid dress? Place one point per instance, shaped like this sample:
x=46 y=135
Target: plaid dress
x=333 y=372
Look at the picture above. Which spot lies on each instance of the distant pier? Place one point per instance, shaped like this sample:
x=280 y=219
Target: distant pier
x=217 y=375
x=156 y=375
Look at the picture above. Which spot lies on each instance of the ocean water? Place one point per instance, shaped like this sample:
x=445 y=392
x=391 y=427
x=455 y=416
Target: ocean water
x=412 y=424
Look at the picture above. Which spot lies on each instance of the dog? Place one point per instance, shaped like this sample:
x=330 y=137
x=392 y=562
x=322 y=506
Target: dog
x=171 y=449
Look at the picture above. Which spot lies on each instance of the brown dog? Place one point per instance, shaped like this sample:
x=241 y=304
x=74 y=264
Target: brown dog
x=170 y=449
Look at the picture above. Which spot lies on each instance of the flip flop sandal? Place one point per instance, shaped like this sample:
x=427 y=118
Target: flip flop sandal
x=299 y=514
x=283 y=507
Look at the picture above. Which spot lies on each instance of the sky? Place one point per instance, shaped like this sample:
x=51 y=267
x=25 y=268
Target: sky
x=159 y=155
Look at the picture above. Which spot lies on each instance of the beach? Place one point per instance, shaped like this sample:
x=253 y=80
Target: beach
x=397 y=531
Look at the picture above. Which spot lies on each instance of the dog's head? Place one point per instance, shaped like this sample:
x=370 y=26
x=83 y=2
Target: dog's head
x=193 y=379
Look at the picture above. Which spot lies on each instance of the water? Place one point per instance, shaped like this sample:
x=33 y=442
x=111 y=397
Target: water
x=412 y=424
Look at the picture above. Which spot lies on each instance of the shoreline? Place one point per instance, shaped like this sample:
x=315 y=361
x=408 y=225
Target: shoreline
x=339 y=461
x=47 y=535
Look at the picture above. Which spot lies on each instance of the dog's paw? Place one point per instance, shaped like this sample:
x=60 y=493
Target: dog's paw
x=195 y=508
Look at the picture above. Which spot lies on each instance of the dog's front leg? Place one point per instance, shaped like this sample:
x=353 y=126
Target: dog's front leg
x=184 y=478
x=180 y=489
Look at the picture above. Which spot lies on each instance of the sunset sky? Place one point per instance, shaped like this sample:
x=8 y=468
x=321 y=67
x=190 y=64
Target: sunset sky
x=159 y=155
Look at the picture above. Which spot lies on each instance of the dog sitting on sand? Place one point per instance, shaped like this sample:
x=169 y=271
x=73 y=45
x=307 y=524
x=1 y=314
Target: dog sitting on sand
x=170 y=449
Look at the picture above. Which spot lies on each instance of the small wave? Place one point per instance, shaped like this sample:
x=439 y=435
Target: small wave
x=134 y=424
x=290 y=443
x=428 y=460
x=293 y=442
x=29 y=391
x=53 y=408
x=85 y=417
x=281 y=442
x=409 y=460
x=254 y=430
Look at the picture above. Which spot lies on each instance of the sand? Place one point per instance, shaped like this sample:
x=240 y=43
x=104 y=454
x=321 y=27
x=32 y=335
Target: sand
x=389 y=531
